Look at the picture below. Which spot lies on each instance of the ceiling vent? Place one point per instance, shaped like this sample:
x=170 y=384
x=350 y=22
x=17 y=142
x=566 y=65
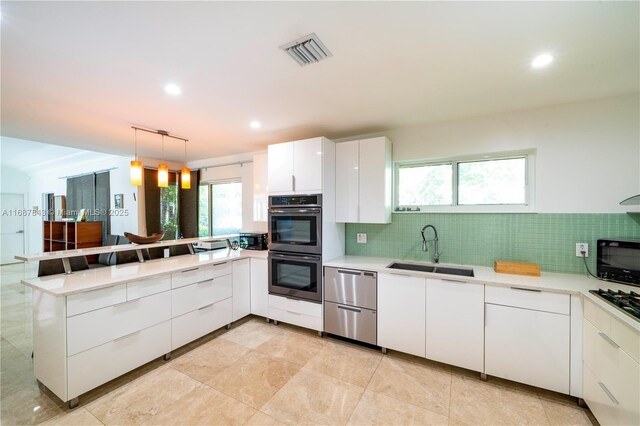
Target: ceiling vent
x=307 y=50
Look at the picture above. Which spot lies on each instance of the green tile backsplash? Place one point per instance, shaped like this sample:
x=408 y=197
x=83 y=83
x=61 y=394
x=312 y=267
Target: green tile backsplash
x=547 y=239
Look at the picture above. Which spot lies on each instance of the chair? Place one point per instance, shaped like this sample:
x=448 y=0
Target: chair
x=107 y=259
x=54 y=266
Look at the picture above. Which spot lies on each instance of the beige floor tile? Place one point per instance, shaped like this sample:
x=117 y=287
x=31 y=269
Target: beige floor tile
x=563 y=414
x=140 y=401
x=209 y=359
x=204 y=406
x=262 y=419
x=346 y=362
x=252 y=333
x=254 y=378
x=77 y=417
x=420 y=385
x=314 y=398
x=418 y=360
x=478 y=403
x=377 y=409
x=294 y=347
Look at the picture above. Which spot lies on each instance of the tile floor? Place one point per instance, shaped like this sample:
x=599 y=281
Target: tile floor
x=262 y=374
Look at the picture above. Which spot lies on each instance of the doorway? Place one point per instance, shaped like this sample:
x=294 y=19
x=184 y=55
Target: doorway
x=11 y=227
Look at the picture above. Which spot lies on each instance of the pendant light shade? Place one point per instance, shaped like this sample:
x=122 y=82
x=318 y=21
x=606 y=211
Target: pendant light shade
x=163 y=176
x=136 y=173
x=185 y=178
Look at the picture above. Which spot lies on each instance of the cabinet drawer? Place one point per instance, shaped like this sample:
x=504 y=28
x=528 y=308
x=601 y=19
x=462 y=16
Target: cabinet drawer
x=96 y=299
x=301 y=320
x=529 y=299
x=623 y=335
x=98 y=365
x=611 y=366
x=192 y=325
x=190 y=276
x=296 y=306
x=191 y=297
x=353 y=323
x=219 y=269
x=94 y=328
x=147 y=287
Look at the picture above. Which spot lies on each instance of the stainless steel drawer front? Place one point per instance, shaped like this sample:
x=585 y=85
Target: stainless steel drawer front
x=351 y=322
x=349 y=287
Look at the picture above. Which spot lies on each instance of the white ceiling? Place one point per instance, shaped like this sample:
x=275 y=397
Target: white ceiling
x=80 y=73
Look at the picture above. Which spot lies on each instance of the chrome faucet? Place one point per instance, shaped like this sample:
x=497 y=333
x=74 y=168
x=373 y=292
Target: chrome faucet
x=425 y=248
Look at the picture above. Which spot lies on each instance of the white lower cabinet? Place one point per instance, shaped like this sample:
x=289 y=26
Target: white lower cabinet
x=241 y=288
x=296 y=312
x=195 y=296
x=91 y=368
x=401 y=313
x=195 y=324
x=259 y=287
x=528 y=346
x=455 y=323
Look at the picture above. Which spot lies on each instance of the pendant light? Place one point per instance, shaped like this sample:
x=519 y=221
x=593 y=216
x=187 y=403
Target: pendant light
x=135 y=171
x=185 y=172
x=163 y=170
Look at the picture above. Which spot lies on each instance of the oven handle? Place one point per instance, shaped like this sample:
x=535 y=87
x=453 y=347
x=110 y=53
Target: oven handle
x=295 y=256
x=294 y=211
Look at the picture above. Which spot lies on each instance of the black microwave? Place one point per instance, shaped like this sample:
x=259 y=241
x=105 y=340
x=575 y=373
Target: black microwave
x=253 y=241
x=619 y=260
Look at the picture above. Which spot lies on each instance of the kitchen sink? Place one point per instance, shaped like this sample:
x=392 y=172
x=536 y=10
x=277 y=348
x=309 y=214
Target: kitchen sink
x=463 y=272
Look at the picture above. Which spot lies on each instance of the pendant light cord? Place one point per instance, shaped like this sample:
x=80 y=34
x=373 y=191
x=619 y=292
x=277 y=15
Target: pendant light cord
x=135 y=144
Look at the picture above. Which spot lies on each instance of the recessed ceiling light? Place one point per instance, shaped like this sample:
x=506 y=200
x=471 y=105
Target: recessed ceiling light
x=542 y=60
x=255 y=124
x=172 y=89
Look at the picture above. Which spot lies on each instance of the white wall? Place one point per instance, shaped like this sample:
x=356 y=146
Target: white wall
x=588 y=153
x=50 y=181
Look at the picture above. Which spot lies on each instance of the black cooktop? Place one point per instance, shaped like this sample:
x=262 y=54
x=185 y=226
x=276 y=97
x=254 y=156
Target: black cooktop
x=628 y=302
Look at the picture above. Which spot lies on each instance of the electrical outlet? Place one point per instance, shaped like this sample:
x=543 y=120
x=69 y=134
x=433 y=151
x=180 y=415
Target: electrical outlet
x=582 y=247
x=361 y=238
x=166 y=252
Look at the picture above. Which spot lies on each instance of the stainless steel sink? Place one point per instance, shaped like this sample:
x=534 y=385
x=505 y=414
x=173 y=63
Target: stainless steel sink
x=463 y=272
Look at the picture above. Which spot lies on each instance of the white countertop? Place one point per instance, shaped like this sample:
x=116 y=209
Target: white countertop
x=91 y=279
x=547 y=281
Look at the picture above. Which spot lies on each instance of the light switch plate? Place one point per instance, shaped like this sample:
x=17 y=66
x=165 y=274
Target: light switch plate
x=361 y=238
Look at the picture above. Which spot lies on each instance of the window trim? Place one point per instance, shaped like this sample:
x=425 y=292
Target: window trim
x=527 y=207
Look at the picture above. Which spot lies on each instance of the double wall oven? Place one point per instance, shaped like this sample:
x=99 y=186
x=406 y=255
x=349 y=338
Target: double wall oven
x=295 y=246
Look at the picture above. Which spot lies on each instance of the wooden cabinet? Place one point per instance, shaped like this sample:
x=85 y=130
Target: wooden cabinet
x=455 y=323
x=611 y=367
x=71 y=235
x=526 y=345
x=401 y=313
x=259 y=287
x=241 y=288
x=364 y=170
x=297 y=167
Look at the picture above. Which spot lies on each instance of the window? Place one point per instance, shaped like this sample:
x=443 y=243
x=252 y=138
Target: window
x=169 y=210
x=497 y=183
x=220 y=209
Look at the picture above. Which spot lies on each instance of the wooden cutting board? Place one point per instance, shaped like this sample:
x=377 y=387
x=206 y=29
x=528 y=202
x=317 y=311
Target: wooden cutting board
x=517 y=268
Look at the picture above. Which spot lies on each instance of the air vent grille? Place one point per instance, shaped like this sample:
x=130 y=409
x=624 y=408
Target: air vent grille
x=307 y=50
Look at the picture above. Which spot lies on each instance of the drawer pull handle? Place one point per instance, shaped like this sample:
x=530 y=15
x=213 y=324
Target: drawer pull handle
x=206 y=306
x=291 y=298
x=296 y=313
x=608 y=340
x=341 y=271
x=399 y=275
x=349 y=309
x=609 y=394
x=453 y=281
x=533 y=290
x=219 y=263
x=189 y=270
x=127 y=335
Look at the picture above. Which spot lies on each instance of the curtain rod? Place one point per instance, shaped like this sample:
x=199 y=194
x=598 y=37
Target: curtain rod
x=227 y=164
x=88 y=173
x=160 y=132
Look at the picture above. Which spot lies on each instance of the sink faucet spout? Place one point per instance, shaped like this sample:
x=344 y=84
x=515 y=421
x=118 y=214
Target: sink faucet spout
x=425 y=248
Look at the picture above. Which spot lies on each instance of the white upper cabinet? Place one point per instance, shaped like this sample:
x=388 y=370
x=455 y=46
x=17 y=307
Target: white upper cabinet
x=363 y=181
x=297 y=167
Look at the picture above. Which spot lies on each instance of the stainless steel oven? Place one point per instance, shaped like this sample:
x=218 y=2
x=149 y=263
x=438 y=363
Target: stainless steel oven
x=298 y=276
x=295 y=223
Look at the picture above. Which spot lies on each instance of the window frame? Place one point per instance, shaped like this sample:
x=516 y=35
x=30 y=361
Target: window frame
x=527 y=207
x=220 y=182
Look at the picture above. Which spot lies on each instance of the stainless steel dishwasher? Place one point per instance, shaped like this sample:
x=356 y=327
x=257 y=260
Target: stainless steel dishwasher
x=350 y=303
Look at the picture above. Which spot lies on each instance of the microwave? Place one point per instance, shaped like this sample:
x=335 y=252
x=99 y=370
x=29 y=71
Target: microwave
x=619 y=260
x=253 y=241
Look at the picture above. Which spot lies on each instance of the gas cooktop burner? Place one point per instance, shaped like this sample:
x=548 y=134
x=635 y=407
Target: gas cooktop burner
x=626 y=302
